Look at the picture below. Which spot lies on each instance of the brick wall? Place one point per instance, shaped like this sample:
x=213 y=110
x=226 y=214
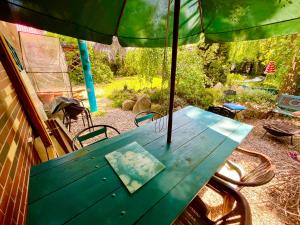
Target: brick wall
x=16 y=154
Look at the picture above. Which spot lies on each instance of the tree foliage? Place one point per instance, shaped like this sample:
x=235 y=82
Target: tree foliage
x=284 y=51
x=198 y=66
x=214 y=60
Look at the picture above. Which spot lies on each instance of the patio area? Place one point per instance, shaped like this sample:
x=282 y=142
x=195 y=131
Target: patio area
x=209 y=129
x=267 y=202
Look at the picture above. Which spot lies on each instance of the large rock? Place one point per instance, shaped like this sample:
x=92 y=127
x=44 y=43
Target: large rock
x=127 y=105
x=143 y=103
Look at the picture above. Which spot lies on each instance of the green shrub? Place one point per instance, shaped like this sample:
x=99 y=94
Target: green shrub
x=253 y=96
x=234 y=79
x=203 y=97
x=76 y=76
x=100 y=67
x=217 y=95
x=101 y=73
x=157 y=95
x=119 y=96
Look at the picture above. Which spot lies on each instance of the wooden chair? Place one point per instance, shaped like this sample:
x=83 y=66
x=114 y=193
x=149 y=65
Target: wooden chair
x=86 y=134
x=197 y=213
x=260 y=175
x=142 y=116
x=221 y=111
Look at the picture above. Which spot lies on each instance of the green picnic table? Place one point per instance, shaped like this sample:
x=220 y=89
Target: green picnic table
x=82 y=188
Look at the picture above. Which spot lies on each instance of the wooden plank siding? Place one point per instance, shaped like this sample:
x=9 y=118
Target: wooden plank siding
x=16 y=154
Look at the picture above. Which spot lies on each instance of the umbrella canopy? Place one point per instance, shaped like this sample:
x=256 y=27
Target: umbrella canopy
x=143 y=22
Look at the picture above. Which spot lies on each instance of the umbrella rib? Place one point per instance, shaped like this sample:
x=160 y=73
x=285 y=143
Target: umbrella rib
x=201 y=15
x=247 y=28
x=158 y=37
x=120 y=17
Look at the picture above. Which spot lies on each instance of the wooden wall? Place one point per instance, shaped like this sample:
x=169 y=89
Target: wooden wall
x=16 y=153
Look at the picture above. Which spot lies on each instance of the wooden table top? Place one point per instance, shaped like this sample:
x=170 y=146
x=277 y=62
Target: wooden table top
x=81 y=187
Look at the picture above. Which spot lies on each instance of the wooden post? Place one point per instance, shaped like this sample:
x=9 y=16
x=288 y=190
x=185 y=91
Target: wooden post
x=173 y=67
x=88 y=77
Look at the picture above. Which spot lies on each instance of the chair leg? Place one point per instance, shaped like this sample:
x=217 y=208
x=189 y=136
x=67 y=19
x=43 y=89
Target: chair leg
x=68 y=122
x=89 y=117
x=85 y=112
x=228 y=204
x=82 y=117
x=264 y=134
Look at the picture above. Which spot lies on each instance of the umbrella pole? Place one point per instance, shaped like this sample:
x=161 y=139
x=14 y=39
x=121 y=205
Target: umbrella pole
x=173 y=67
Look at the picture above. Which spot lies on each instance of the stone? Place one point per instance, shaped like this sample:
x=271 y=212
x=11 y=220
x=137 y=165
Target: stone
x=134 y=98
x=219 y=86
x=142 y=104
x=127 y=105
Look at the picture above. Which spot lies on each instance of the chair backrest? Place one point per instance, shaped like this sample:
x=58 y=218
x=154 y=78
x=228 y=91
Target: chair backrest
x=72 y=111
x=221 y=111
x=197 y=212
x=240 y=213
x=260 y=175
x=289 y=102
x=142 y=116
x=92 y=132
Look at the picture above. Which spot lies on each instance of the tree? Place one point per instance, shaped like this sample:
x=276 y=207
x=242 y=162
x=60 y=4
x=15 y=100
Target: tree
x=291 y=80
x=214 y=59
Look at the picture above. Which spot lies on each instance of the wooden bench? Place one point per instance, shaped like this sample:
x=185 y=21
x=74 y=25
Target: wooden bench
x=287 y=104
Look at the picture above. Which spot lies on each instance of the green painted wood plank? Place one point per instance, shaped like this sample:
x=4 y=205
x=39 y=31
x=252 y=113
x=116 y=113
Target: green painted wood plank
x=92 y=134
x=183 y=113
x=171 y=206
x=72 y=170
x=143 y=118
x=179 y=164
x=63 y=205
x=156 y=148
x=141 y=131
x=75 y=169
x=97 y=201
x=60 y=176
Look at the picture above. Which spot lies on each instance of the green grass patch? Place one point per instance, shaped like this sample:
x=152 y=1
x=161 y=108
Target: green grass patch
x=105 y=90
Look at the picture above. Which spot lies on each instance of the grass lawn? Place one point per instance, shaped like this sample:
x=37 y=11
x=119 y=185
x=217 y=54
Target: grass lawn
x=104 y=90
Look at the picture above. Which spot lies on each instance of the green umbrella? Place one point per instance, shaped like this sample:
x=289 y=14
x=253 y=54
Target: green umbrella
x=142 y=23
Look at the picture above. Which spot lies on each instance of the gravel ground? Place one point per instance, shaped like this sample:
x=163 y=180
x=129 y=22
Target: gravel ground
x=121 y=120
x=264 y=203
x=263 y=200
